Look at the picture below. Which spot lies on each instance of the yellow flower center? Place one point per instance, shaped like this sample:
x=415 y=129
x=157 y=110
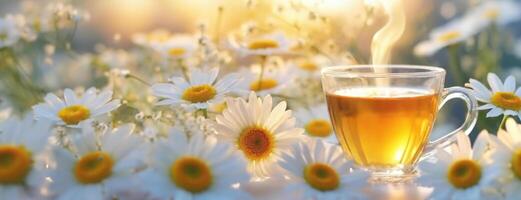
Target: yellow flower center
x=516 y=163
x=93 y=167
x=74 y=114
x=491 y=14
x=176 y=52
x=319 y=128
x=464 y=173
x=192 y=174
x=308 y=66
x=199 y=93
x=321 y=177
x=449 y=36
x=263 y=84
x=263 y=44
x=15 y=164
x=256 y=143
x=506 y=100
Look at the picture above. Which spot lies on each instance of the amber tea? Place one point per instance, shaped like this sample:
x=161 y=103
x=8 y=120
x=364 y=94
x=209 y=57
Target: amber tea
x=383 y=127
x=383 y=118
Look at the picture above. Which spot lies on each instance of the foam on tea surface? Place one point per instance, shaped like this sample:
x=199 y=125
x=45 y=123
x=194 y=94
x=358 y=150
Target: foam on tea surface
x=382 y=126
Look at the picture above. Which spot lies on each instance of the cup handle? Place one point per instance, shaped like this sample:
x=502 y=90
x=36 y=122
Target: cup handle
x=467 y=126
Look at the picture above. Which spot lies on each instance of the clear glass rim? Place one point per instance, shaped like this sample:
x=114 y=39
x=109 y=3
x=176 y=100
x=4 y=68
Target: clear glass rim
x=347 y=71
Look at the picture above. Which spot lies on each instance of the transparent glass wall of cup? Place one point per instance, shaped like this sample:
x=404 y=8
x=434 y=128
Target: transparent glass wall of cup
x=383 y=114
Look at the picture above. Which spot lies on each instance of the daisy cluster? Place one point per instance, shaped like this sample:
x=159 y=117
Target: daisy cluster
x=68 y=149
x=204 y=119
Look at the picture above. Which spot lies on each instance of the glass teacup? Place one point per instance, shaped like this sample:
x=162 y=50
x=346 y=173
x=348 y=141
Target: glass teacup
x=383 y=118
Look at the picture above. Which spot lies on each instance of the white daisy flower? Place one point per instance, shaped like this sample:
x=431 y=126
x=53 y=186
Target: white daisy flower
x=316 y=122
x=318 y=170
x=500 y=12
x=259 y=131
x=21 y=145
x=503 y=99
x=507 y=159
x=451 y=33
x=462 y=174
x=98 y=168
x=9 y=34
x=310 y=67
x=195 y=168
x=266 y=45
x=177 y=47
x=273 y=81
x=74 y=109
x=197 y=92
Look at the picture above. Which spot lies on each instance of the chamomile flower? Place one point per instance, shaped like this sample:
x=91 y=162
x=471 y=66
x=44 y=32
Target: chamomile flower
x=311 y=66
x=265 y=45
x=318 y=170
x=197 y=92
x=259 y=131
x=315 y=121
x=461 y=174
x=177 y=47
x=507 y=159
x=195 y=168
x=503 y=99
x=9 y=34
x=97 y=168
x=273 y=80
x=74 y=109
x=21 y=145
x=500 y=12
x=451 y=33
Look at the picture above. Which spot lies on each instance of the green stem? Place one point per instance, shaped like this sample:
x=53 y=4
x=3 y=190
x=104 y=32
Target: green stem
x=261 y=74
x=132 y=76
x=455 y=65
x=184 y=69
x=505 y=117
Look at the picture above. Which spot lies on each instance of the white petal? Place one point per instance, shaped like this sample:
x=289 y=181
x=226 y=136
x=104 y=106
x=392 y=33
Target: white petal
x=84 y=142
x=481 y=92
x=513 y=130
x=494 y=82
x=70 y=97
x=510 y=84
x=495 y=112
x=486 y=107
x=481 y=145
